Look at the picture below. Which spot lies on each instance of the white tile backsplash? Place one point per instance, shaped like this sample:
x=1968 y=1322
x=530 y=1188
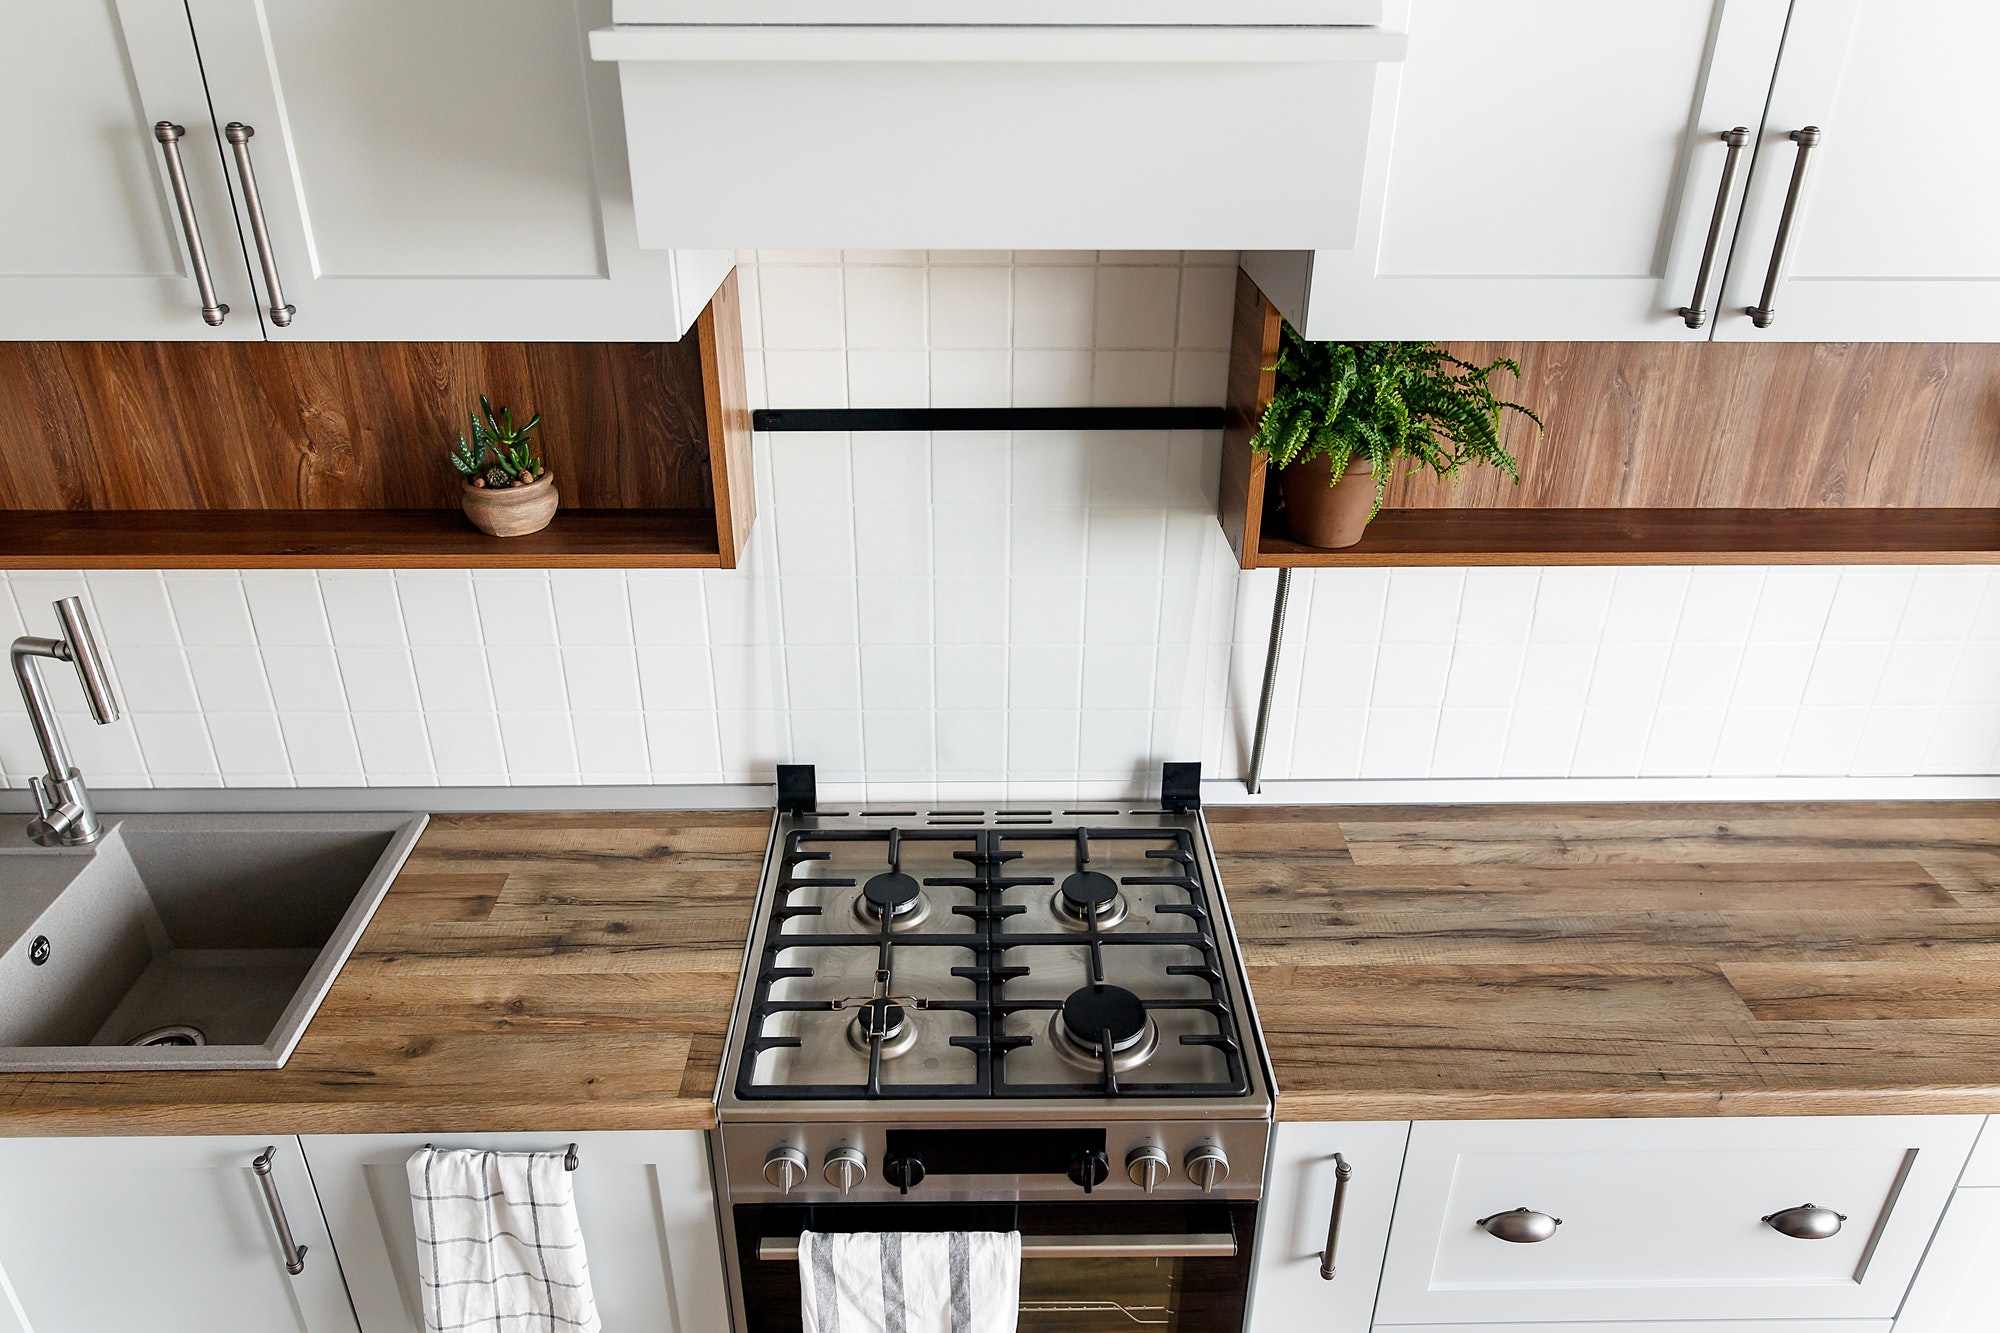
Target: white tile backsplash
x=1054 y=612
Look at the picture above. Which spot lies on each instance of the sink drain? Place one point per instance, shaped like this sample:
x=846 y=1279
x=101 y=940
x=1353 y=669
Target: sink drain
x=176 y=1034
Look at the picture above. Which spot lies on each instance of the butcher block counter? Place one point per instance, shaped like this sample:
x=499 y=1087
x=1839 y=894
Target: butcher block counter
x=1461 y=962
x=575 y=971
x=525 y=972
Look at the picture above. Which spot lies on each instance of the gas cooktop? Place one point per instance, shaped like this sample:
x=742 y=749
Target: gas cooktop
x=908 y=957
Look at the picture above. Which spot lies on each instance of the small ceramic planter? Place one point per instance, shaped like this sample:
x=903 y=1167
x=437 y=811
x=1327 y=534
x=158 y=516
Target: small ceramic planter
x=1322 y=512
x=511 y=511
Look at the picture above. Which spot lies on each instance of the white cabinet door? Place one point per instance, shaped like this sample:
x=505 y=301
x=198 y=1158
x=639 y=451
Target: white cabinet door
x=168 y=1235
x=91 y=243
x=1664 y=1219
x=1893 y=234
x=1958 y=1288
x=1289 y=1295
x=447 y=170
x=1546 y=169
x=644 y=1200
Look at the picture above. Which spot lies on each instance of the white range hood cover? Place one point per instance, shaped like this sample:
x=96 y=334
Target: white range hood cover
x=1071 y=125
x=1066 y=13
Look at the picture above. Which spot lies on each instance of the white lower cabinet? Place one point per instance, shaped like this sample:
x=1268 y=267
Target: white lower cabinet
x=645 y=1202
x=1958 y=1289
x=166 y=1235
x=1665 y=1219
x=1290 y=1295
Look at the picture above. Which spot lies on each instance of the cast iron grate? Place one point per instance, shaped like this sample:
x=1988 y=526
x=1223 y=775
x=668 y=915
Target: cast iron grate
x=985 y=854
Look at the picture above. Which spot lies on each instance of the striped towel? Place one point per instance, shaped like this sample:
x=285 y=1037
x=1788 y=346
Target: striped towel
x=498 y=1246
x=911 y=1281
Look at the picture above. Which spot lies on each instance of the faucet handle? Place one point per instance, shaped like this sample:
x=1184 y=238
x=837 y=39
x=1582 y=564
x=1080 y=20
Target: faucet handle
x=46 y=829
x=38 y=785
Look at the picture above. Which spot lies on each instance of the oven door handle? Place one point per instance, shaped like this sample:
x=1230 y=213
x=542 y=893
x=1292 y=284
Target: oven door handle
x=1180 y=1245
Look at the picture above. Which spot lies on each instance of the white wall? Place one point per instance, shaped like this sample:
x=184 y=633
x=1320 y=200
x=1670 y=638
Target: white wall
x=1044 y=614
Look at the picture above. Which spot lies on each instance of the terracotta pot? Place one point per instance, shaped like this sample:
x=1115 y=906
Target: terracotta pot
x=1322 y=512
x=511 y=511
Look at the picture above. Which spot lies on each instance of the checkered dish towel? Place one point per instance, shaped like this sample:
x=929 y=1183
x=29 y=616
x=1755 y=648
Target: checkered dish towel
x=498 y=1246
x=911 y=1281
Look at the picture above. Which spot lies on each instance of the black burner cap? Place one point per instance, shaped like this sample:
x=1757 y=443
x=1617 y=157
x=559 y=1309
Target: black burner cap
x=1089 y=893
x=891 y=893
x=881 y=1016
x=1089 y=1011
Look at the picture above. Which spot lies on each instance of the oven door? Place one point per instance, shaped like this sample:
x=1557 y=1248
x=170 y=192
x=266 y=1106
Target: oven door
x=1176 y=1267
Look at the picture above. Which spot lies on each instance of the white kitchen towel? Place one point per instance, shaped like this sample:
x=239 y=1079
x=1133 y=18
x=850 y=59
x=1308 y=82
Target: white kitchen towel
x=498 y=1245
x=910 y=1281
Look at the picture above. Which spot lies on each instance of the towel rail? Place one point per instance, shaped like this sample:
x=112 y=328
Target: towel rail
x=1178 y=1245
x=570 y=1159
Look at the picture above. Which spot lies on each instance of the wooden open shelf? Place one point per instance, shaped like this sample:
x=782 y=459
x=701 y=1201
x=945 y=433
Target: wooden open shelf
x=332 y=455
x=352 y=539
x=1656 y=537
x=1756 y=434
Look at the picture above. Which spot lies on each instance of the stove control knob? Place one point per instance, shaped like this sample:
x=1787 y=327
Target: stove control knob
x=903 y=1170
x=846 y=1168
x=1147 y=1165
x=1089 y=1168
x=1207 y=1166
x=785 y=1168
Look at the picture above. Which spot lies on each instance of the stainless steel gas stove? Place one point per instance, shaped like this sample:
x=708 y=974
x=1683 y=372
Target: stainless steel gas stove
x=1005 y=1018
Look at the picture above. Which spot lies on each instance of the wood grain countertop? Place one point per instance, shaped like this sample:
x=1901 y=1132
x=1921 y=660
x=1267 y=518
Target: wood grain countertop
x=1462 y=962
x=575 y=971
x=525 y=973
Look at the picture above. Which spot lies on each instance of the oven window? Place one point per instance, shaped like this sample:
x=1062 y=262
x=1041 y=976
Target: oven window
x=1088 y=1295
x=1058 y=1294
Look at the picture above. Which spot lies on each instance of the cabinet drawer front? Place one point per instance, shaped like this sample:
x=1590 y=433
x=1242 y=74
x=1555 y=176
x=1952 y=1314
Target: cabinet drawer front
x=1984 y=1167
x=1663 y=1219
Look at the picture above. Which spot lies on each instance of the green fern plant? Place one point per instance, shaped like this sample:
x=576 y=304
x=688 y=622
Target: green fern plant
x=1383 y=400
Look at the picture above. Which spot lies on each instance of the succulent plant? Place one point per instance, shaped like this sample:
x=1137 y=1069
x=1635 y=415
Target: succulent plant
x=509 y=443
x=499 y=453
x=467 y=458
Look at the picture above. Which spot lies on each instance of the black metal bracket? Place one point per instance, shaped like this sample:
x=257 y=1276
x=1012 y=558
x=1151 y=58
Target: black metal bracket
x=1180 y=787
x=798 y=790
x=987 y=418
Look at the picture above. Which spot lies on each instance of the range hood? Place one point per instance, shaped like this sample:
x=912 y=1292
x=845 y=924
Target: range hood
x=998 y=124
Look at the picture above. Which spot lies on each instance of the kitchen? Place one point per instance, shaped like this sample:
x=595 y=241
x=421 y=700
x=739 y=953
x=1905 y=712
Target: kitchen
x=1621 y=835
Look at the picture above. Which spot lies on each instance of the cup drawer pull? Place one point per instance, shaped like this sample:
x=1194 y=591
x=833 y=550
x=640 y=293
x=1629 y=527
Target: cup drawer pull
x=1808 y=1221
x=1522 y=1226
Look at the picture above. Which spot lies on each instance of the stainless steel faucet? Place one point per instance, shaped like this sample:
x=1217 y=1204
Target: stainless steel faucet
x=66 y=818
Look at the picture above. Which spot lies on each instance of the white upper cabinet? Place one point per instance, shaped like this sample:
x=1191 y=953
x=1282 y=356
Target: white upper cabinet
x=1092 y=132
x=91 y=238
x=1893 y=234
x=446 y=170
x=1542 y=169
x=166 y=1235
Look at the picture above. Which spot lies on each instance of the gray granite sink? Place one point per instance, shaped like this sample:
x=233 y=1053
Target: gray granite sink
x=197 y=941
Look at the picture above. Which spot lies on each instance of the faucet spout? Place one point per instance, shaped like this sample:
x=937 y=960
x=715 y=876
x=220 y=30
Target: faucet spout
x=66 y=816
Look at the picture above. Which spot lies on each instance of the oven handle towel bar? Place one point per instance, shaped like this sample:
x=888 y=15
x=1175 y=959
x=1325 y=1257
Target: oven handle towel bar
x=1178 y=1245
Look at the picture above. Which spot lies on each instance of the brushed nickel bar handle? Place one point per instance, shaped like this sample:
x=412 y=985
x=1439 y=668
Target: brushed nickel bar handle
x=295 y=1253
x=239 y=136
x=1763 y=313
x=169 y=135
x=1695 y=313
x=1200 y=1245
x=1342 y=1173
